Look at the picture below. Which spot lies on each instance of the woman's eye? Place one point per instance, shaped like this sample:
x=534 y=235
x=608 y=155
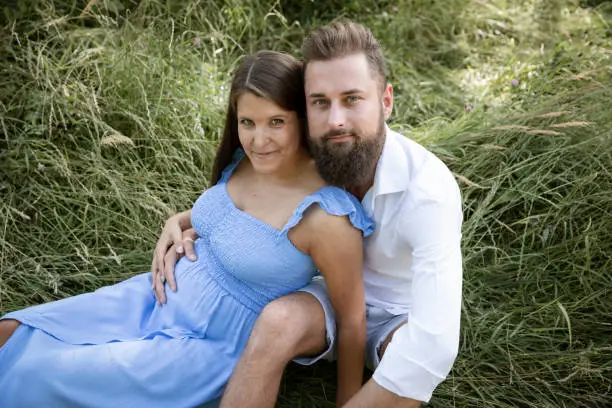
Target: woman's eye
x=277 y=122
x=246 y=122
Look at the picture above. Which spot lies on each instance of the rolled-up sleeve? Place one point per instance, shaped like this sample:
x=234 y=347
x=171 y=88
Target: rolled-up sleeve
x=423 y=351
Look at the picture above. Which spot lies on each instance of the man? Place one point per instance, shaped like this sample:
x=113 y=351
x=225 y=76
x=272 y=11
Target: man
x=412 y=263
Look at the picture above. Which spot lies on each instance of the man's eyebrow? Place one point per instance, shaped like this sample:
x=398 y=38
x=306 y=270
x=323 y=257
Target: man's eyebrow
x=349 y=92
x=352 y=91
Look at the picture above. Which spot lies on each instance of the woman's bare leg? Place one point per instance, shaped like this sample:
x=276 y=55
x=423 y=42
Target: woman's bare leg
x=7 y=328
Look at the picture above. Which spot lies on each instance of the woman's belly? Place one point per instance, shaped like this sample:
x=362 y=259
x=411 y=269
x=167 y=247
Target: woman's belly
x=207 y=303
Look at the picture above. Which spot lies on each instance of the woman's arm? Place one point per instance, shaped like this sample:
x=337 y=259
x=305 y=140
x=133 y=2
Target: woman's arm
x=337 y=249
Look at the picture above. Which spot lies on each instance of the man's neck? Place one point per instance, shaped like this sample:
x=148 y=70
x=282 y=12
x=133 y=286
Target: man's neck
x=361 y=190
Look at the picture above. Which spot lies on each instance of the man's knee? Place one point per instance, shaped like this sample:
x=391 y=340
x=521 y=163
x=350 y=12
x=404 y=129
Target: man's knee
x=290 y=326
x=387 y=340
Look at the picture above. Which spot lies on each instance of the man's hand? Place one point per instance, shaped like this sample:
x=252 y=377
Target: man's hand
x=172 y=244
x=165 y=262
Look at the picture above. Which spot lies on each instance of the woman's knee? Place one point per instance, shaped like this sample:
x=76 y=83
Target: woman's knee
x=291 y=325
x=7 y=328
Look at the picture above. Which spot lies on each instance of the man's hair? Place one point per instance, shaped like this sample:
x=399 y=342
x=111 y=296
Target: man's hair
x=341 y=38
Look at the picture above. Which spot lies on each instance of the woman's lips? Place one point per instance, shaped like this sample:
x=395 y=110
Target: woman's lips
x=262 y=155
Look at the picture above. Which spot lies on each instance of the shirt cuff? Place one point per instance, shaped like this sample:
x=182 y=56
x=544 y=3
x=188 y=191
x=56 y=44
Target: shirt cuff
x=405 y=377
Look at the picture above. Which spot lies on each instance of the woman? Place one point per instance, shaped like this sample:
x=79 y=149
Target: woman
x=268 y=223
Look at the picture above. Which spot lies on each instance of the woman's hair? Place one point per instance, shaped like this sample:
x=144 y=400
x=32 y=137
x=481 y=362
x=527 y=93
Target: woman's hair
x=272 y=75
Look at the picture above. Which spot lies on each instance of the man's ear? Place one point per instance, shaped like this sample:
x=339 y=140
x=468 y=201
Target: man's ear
x=387 y=100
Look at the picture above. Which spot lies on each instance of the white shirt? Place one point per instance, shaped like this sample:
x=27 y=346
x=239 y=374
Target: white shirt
x=412 y=265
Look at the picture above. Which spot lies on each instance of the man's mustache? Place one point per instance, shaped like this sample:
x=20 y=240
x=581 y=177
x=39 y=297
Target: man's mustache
x=339 y=132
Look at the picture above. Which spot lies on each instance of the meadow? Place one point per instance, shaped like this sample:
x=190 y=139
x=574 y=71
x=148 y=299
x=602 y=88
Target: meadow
x=111 y=110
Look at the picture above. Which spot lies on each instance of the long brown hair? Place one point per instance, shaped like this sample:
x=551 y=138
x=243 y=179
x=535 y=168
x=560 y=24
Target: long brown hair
x=268 y=74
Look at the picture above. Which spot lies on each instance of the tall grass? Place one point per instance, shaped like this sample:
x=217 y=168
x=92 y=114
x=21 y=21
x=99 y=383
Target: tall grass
x=110 y=112
x=537 y=254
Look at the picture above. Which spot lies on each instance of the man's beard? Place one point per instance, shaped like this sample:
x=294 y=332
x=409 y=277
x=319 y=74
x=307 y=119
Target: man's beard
x=345 y=164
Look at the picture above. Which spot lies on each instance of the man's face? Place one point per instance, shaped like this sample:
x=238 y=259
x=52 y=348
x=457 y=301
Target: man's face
x=347 y=109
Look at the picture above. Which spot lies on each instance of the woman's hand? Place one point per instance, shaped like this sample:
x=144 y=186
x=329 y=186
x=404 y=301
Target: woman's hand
x=175 y=240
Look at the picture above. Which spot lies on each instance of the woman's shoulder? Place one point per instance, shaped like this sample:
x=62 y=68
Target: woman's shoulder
x=335 y=199
x=330 y=201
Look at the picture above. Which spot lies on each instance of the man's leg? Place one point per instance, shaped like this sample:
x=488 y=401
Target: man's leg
x=7 y=328
x=291 y=326
x=387 y=340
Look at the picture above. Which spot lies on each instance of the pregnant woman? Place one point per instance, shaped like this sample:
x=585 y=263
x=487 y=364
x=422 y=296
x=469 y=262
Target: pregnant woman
x=266 y=226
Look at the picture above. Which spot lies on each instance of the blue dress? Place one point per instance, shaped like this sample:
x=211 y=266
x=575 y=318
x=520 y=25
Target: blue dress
x=116 y=347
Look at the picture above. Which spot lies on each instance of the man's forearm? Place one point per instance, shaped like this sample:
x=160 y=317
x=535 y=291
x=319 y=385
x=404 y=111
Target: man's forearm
x=183 y=219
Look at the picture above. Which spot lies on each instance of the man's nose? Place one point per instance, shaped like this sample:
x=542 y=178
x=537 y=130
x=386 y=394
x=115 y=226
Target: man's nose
x=337 y=117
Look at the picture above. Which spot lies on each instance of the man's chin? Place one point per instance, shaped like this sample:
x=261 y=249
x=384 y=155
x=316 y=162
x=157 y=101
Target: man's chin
x=339 y=146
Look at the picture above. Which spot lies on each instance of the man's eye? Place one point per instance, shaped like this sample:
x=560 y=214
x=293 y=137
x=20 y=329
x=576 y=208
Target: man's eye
x=320 y=102
x=246 y=122
x=352 y=99
x=277 y=122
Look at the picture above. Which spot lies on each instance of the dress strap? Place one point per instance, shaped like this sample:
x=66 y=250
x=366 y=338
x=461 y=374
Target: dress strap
x=229 y=169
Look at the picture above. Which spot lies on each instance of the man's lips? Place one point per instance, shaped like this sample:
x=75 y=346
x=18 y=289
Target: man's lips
x=339 y=138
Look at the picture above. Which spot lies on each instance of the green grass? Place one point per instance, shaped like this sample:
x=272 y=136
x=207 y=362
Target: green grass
x=110 y=112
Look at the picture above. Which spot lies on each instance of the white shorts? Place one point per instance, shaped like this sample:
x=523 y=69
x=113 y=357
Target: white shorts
x=380 y=324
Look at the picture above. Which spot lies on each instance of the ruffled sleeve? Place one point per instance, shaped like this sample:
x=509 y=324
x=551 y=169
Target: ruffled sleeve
x=335 y=201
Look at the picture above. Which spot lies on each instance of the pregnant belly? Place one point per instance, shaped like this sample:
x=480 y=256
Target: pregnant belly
x=202 y=306
x=194 y=292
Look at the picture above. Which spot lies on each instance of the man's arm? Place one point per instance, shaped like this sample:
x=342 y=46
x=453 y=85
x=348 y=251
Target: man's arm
x=422 y=352
x=170 y=246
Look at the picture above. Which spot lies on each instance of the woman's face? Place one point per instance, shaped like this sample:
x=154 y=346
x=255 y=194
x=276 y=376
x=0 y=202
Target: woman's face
x=269 y=135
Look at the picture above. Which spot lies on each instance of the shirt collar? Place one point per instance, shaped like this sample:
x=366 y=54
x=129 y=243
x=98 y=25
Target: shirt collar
x=392 y=168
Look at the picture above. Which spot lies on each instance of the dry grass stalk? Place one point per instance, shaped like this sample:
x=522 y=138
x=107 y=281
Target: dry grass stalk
x=493 y=147
x=543 y=132
x=116 y=139
x=510 y=127
x=467 y=181
x=552 y=114
x=571 y=124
